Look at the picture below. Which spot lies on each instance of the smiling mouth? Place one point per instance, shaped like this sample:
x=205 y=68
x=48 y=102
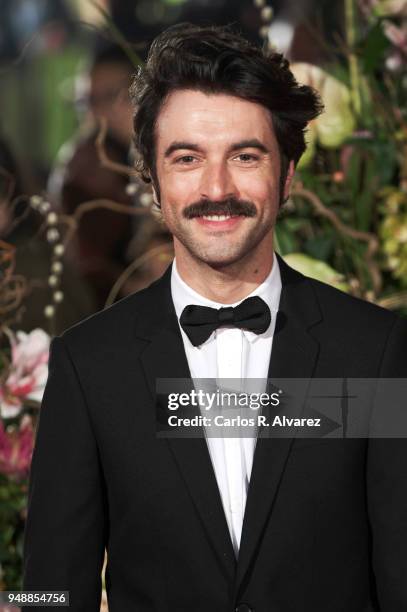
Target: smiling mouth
x=223 y=222
x=219 y=217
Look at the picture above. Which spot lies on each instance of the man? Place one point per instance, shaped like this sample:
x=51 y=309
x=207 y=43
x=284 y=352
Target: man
x=215 y=524
x=99 y=252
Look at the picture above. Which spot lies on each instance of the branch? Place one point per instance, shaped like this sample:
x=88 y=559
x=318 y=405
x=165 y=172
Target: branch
x=371 y=240
x=12 y=292
x=105 y=161
x=72 y=221
x=397 y=300
x=137 y=263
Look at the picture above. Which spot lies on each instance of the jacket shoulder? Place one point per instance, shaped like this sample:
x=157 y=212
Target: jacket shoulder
x=114 y=325
x=350 y=309
x=367 y=339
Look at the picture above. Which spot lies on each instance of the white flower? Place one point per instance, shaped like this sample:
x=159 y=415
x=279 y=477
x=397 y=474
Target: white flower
x=28 y=371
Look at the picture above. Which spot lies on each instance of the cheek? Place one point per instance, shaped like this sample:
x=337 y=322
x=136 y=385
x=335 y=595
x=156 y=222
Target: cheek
x=178 y=190
x=259 y=189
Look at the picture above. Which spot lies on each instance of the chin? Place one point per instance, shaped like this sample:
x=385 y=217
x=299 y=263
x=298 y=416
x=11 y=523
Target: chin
x=219 y=259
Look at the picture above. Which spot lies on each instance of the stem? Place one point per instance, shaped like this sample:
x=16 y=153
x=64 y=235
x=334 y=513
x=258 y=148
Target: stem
x=350 y=20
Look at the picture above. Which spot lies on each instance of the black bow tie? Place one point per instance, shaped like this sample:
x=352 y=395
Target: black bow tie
x=199 y=322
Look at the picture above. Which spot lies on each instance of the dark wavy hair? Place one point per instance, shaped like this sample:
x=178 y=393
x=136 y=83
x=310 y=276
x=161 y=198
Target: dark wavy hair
x=215 y=60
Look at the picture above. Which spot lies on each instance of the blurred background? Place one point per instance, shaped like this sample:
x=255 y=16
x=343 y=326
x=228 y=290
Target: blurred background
x=48 y=47
x=78 y=229
x=65 y=130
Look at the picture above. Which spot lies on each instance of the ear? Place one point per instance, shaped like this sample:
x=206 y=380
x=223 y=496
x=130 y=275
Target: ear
x=289 y=179
x=155 y=196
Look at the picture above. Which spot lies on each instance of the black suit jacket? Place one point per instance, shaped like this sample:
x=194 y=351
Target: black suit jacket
x=325 y=527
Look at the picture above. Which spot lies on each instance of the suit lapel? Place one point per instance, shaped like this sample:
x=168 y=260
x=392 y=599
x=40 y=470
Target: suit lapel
x=164 y=357
x=294 y=355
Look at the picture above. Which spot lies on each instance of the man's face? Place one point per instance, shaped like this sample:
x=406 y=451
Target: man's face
x=218 y=169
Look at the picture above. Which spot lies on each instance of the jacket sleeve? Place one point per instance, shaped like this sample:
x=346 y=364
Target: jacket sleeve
x=66 y=524
x=387 y=490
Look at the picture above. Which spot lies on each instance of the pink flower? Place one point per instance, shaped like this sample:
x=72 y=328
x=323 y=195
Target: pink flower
x=16 y=447
x=28 y=371
x=383 y=7
x=397 y=35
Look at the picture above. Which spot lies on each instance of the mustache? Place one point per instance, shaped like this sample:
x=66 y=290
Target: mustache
x=229 y=206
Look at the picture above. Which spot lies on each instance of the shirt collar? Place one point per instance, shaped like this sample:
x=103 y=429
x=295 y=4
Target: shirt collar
x=269 y=290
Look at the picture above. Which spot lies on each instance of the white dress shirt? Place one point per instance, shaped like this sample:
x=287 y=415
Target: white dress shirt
x=230 y=353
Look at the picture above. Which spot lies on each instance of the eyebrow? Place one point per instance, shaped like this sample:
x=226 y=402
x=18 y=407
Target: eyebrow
x=252 y=143
x=177 y=145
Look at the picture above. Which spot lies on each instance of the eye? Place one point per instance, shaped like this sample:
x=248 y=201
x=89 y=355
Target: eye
x=247 y=157
x=185 y=159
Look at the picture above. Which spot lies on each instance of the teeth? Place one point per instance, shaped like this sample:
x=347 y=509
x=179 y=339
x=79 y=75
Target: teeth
x=217 y=217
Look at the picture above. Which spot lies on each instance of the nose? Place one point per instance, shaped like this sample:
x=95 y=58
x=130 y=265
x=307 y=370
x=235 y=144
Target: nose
x=217 y=182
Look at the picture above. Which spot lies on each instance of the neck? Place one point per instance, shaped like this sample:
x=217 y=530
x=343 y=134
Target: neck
x=225 y=284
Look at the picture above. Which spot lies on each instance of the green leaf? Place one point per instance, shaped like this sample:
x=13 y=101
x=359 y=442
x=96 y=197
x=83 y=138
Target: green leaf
x=316 y=269
x=374 y=48
x=320 y=247
x=286 y=240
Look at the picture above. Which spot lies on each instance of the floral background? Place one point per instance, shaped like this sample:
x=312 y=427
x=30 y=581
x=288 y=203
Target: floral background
x=345 y=224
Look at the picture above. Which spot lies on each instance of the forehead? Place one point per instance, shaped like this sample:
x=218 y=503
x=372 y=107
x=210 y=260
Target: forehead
x=190 y=115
